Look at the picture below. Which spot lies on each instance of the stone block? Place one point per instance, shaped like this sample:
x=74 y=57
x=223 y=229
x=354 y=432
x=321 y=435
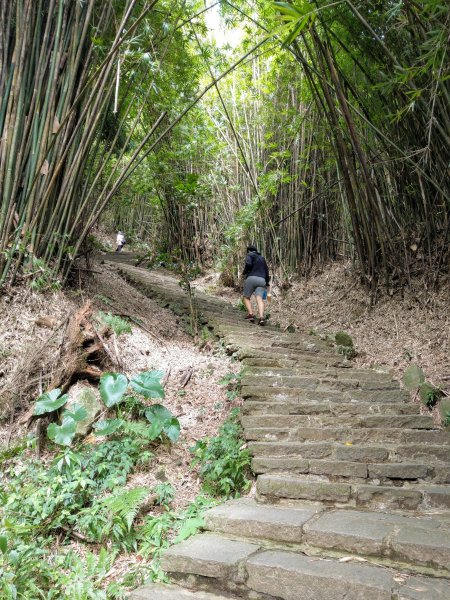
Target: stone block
x=441 y=474
x=385 y=497
x=349 y=531
x=423 y=453
x=272 y=449
x=398 y=421
x=437 y=496
x=398 y=471
x=279 y=381
x=424 y=588
x=422 y=542
x=208 y=555
x=246 y=518
x=285 y=486
x=263 y=464
x=158 y=591
x=360 y=453
x=341 y=468
x=292 y=576
x=375 y=396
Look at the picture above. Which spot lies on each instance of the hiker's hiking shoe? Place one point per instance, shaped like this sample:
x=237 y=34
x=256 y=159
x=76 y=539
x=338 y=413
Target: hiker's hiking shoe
x=250 y=318
x=262 y=322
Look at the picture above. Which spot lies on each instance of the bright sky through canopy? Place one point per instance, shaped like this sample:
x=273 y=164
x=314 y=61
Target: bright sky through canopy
x=217 y=30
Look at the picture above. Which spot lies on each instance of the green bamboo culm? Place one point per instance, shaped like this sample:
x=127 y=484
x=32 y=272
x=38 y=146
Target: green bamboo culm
x=58 y=62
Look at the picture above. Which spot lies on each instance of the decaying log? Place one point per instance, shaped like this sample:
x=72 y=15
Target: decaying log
x=186 y=377
x=82 y=353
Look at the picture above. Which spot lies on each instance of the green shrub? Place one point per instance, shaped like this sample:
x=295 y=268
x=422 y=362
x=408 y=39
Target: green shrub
x=429 y=394
x=224 y=460
x=233 y=383
x=344 y=345
x=414 y=381
x=343 y=339
x=114 y=322
x=165 y=493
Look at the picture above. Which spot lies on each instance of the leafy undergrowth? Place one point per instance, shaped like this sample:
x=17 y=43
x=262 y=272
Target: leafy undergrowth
x=65 y=522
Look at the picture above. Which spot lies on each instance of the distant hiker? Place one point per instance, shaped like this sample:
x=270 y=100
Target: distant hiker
x=256 y=274
x=120 y=240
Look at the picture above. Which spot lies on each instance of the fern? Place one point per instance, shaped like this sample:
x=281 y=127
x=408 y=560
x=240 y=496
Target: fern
x=137 y=429
x=125 y=504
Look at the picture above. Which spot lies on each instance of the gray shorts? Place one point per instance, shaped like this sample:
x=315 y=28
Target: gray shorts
x=254 y=285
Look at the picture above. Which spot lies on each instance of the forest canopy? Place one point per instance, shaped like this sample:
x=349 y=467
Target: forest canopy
x=320 y=132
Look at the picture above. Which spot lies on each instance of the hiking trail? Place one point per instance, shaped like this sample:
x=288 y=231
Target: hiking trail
x=353 y=483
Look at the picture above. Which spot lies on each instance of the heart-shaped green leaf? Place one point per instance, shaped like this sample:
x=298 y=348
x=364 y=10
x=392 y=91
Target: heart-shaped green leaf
x=148 y=384
x=158 y=412
x=49 y=402
x=155 y=430
x=172 y=429
x=76 y=412
x=161 y=420
x=112 y=388
x=62 y=434
x=108 y=426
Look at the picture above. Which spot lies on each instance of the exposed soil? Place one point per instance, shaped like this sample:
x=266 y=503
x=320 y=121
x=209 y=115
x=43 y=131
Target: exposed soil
x=201 y=406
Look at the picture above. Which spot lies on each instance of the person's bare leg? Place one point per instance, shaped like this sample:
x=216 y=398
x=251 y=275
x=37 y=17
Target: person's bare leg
x=260 y=303
x=248 y=305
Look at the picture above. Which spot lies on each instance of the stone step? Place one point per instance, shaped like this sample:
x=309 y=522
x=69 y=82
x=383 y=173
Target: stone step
x=424 y=497
x=252 y=349
x=251 y=571
x=325 y=383
x=319 y=394
x=417 y=543
x=159 y=591
x=395 y=453
x=348 y=435
x=364 y=421
x=309 y=369
x=253 y=406
x=308 y=362
x=384 y=473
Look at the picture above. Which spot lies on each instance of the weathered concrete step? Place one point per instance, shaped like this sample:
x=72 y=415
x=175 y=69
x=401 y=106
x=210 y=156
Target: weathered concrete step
x=278 y=339
x=250 y=571
x=341 y=470
x=369 y=421
x=353 y=435
x=251 y=348
x=288 y=407
x=318 y=394
x=423 y=497
x=319 y=370
x=325 y=383
x=159 y=591
x=396 y=453
x=245 y=518
x=415 y=542
x=307 y=363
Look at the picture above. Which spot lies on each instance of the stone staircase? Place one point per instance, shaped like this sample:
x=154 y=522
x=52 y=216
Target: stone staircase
x=353 y=484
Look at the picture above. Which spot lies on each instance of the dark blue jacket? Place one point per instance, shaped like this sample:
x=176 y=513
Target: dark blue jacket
x=256 y=265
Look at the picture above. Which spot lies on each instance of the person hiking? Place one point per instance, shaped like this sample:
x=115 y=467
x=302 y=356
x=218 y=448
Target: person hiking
x=257 y=281
x=120 y=241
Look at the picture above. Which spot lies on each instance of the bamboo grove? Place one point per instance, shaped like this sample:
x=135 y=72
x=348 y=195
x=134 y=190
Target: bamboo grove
x=325 y=133
x=65 y=130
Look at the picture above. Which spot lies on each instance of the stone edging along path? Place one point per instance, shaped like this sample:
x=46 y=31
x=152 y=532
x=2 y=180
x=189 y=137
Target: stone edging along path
x=353 y=494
